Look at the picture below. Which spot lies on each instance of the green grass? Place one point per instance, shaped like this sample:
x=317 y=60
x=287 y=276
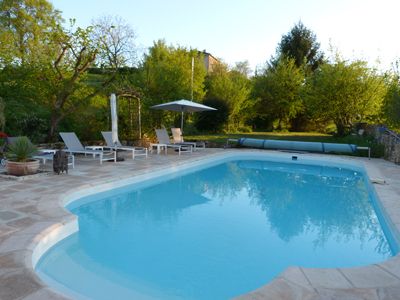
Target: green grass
x=219 y=140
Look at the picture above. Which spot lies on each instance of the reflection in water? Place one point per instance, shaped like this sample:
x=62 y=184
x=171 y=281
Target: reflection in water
x=219 y=232
x=331 y=201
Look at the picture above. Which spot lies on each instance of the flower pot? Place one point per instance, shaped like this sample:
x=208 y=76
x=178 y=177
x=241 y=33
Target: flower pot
x=22 y=168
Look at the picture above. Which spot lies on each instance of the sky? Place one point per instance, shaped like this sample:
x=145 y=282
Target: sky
x=239 y=30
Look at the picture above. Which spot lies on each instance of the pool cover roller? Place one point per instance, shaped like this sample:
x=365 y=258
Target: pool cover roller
x=297 y=146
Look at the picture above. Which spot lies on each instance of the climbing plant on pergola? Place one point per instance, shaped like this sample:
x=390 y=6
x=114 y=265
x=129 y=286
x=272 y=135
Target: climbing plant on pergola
x=130 y=94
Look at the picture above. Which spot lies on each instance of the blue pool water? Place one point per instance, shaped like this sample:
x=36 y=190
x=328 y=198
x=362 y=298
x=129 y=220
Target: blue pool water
x=217 y=233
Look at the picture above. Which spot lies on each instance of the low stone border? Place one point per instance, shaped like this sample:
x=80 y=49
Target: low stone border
x=45 y=217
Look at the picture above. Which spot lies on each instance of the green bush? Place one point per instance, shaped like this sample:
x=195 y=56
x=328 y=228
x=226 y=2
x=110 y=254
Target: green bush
x=244 y=129
x=213 y=121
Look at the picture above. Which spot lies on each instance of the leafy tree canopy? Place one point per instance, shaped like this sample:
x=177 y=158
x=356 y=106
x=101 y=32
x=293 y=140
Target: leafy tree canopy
x=116 y=42
x=234 y=88
x=26 y=30
x=168 y=73
x=213 y=121
x=345 y=93
x=279 y=91
x=391 y=108
x=301 y=45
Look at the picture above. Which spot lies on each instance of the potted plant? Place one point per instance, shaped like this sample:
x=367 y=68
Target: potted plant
x=19 y=157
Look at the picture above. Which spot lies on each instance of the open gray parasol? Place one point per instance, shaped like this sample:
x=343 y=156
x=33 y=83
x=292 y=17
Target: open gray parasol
x=183 y=106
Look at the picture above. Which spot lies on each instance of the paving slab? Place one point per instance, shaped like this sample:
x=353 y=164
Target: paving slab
x=369 y=277
x=326 y=278
x=18 y=284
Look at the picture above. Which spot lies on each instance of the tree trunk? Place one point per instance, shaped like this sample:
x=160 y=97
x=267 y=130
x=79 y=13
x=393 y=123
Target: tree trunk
x=341 y=129
x=54 y=121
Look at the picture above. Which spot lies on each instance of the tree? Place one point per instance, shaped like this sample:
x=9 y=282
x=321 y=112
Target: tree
x=25 y=91
x=167 y=72
x=76 y=52
x=213 y=121
x=26 y=28
x=345 y=92
x=391 y=104
x=234 y=88
x=2 y=117
x=301 y=45
x=243 y=67
x=45 y=67
x=116 y=40
x=279 y=91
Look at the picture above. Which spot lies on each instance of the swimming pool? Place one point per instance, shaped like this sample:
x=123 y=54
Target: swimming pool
x=218 y=232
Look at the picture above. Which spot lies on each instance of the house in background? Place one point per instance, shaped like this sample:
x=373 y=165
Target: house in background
x=209 y=61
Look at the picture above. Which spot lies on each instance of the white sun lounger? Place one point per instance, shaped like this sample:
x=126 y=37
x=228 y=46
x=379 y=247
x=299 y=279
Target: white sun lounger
x=163 y=140
x=178 y=139
x=136 y=151
x=73 y=145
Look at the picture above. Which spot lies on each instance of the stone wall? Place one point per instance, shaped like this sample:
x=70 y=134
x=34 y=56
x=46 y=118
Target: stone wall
x=390 y=140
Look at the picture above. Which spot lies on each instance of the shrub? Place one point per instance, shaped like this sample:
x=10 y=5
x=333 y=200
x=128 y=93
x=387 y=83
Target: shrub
x=21 y=150
x=213 y=121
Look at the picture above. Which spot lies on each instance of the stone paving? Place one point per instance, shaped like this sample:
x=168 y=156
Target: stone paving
x=31 y=210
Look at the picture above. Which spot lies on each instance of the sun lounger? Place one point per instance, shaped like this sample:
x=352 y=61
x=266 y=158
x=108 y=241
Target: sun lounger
x=164 y=140
x=73 y=145
x=178 y=139
x=136 y=151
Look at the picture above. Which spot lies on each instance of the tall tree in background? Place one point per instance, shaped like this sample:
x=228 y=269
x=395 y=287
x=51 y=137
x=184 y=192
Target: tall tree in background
x=26 y=30
x=301 y=45
x=168 y=72
x=117 y=55
x=345 y=93
x=279 y=91
x=116 y=40
x=79 y=50
x=391 y=107
x=44 y=75
x=76 y=52
x=232 y=87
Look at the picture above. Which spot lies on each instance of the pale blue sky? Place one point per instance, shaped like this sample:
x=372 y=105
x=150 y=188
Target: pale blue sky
x=237 y=30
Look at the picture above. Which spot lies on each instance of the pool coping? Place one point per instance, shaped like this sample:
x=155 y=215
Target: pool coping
x=295 y=282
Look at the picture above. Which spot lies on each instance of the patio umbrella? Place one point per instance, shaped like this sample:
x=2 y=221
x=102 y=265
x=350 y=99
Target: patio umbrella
x=114 y=118
x=183 y=106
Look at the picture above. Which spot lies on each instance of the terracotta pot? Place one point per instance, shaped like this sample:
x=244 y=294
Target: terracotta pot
x=22 y=168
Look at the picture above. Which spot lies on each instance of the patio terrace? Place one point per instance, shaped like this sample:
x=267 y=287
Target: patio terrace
x=30 y=209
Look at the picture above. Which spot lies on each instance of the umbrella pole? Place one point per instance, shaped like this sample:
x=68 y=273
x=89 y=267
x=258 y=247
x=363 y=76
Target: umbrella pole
x=182 y=122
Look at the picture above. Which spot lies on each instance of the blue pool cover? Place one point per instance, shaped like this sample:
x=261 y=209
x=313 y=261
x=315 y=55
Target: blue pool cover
x=298 y=146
